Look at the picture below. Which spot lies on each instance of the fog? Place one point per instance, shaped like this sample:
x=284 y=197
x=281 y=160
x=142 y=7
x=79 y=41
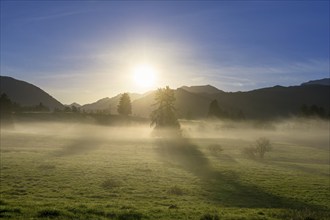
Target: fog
x=299 y=131
x=82 y=130
x=311 y=132
x=209 y=150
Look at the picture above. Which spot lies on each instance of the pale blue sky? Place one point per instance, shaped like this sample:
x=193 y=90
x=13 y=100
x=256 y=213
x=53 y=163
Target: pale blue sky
x=84 y=51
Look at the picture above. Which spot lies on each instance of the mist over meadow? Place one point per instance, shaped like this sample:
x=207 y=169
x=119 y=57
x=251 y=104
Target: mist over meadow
x=104 y=166
x=309 y=132
x=142 y=110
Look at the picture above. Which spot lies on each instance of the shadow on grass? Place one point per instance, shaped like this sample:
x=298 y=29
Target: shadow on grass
x=79 y=146
x=224 y=188
x=296 y=167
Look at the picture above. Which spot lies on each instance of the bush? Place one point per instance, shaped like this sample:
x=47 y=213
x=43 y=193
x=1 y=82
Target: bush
x=261 y=146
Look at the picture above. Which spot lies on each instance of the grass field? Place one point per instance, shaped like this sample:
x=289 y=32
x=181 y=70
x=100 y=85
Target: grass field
x=75 y=171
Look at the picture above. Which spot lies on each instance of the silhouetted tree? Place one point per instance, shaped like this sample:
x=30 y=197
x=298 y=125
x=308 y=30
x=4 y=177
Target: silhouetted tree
x=262 y=146
x=312 y=110
x=41 y=108
x=6 y=107
x=164 y=116
x=75 y=109
x=214 y=109
x=5 y=104
x=124 y=107
x=67 y=109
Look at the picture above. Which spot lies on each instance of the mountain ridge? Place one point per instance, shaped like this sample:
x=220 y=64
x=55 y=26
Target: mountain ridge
x=201 y=89
x=193 y=101
x=27 y=94
x=325 y=81
x=108 y=104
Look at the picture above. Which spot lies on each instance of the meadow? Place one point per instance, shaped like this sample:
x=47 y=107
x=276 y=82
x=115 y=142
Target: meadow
x=78 y=170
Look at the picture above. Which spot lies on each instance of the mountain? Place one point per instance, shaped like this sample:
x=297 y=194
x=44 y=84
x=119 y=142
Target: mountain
x=193 y=102
x=187 y=104
x=325 y=82
x=27 y=94
x=74 y=104
x=108 y=104
x=98 y=105
x=266 y=103
x=201 y=89
x=277 y=101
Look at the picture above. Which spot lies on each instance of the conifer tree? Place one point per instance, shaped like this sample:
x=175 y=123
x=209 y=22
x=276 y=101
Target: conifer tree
x=164 y=116
x=124 y=107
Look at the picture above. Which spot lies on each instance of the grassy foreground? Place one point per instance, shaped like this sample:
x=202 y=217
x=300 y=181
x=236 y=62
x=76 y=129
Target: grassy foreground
x=70 y=171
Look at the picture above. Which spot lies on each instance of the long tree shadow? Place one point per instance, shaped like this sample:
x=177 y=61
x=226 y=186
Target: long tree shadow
x=224 y=188
x=301 y=166
x=82 y=145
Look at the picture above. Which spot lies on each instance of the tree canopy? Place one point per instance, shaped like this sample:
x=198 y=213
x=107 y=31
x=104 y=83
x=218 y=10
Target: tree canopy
x=5 y=104
x=215 y=111
x=164 y=116
x=125 y=106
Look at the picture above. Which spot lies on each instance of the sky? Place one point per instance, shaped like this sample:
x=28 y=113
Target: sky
x=82 y=51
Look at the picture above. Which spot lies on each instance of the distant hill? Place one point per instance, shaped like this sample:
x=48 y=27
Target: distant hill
x=193 y=102
x=187 y=104
x=98 y=105
x=74 y=104
x=275 y=101
x=27 y=94
x=263 y=103
x=325 y=82
x=108 y=104
x=201 y=89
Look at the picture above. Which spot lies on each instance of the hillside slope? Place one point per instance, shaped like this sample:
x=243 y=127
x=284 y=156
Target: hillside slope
x=27 y=94
x=108 y=104
x=275 y=101
x=263 y=103
x=193 y=102
x=324 y=82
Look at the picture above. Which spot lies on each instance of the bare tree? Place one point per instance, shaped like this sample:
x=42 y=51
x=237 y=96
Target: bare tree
x=262 y=145
x=259 y=149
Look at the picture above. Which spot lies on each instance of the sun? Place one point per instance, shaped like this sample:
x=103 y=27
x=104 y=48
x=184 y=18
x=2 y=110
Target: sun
x=144 y=75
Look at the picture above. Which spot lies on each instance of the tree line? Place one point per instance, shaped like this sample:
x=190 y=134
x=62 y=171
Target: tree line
x=164 y=115
x=7 y=106
x=215 y=111
x=313 y=111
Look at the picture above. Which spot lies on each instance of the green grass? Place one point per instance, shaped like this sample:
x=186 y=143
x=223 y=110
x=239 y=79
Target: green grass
x=58 y=176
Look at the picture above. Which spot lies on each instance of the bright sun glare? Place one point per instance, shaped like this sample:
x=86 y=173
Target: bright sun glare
x=144 y=75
